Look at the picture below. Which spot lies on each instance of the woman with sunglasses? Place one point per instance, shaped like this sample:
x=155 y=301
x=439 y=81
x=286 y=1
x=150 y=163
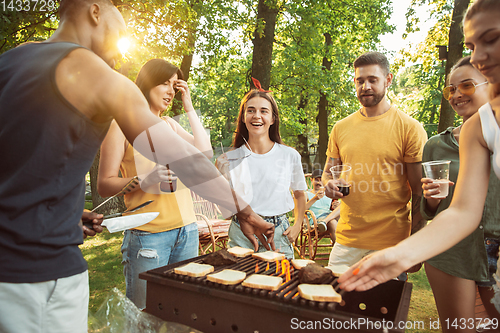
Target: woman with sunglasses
x=263 y=171
x=453 y=274
x=173 y=235
x=479 y=138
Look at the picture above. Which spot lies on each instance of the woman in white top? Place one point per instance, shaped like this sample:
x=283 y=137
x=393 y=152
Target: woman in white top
x=479 y=137
x=263 y=171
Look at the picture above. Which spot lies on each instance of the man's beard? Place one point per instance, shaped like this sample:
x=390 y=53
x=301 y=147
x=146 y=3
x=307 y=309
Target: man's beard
x=372 y=100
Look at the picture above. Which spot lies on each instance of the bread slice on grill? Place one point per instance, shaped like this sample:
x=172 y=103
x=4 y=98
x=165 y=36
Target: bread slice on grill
x=194 y=269
x=240 y=252
x=269 y=256
x=227 y=277
x=262 y=281
x=338 y=270
x=319 y=292
x=301 y=263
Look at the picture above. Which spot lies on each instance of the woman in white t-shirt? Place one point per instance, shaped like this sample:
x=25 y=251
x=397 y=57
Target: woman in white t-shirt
x=263 y=172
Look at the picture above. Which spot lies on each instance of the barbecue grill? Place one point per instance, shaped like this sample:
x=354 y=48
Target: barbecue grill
x=212 y=307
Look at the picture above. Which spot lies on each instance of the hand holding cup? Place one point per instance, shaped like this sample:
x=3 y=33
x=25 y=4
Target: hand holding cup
x=430 y=189
x=437 y=181
x=170 y=185
x=341 y=176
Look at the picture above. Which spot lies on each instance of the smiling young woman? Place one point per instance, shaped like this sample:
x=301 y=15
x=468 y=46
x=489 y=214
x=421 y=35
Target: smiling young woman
x=264 y=172
x=454 y=274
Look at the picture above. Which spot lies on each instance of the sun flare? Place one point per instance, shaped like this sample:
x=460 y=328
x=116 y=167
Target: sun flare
x=123 y=45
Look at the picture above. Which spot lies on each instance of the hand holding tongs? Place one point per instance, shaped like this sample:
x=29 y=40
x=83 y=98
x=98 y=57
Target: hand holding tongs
x=126 y=189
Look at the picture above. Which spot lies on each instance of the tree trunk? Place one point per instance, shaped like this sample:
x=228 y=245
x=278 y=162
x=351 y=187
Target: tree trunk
x=263 y=42
x=187 y=59
x=303 y=144
x=455 y=52
x=114 y=205
x=322 y=117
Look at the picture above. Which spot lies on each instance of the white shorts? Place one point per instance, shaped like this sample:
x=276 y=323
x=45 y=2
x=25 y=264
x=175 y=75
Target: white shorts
x=345 y=255
x=57 y=306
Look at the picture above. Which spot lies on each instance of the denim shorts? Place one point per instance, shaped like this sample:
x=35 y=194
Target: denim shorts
x=491 y=245
x=281 y=223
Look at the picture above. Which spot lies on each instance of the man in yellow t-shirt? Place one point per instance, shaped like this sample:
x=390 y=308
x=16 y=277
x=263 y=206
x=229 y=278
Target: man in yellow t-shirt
x=384 y=147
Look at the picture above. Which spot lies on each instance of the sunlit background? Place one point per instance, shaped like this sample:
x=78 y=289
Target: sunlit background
x=123 y=45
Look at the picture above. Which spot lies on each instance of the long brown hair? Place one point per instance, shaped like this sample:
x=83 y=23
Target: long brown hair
x=241 y=128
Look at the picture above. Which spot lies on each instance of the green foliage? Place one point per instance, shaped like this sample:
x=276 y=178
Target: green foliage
x=220 y=32
x=218 y=90
x=25 y=26
x=418 y=88
x=297 y=70
x=426 y=51
x=418 y=93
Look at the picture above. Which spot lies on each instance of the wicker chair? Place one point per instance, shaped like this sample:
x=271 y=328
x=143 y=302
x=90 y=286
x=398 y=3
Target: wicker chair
x=309 y=239
x=212 y=228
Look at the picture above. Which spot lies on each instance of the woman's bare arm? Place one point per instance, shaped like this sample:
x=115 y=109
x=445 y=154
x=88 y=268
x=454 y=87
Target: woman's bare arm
x=199 y=139
x=112 y=152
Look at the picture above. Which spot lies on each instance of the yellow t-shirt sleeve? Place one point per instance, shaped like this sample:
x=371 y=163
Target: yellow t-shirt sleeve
x=333 y=149
x=416 y=138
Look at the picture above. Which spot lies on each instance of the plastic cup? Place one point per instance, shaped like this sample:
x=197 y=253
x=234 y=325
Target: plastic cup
x=342 y=173
x=169 y=186
x=439 y=172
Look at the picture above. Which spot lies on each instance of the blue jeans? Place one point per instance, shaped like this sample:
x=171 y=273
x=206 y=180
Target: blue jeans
x=491 y=245
x=283 y=245
x=143 y=251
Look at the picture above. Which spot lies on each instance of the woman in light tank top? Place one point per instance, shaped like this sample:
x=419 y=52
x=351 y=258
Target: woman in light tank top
x=173 y=235
x=479 y=138
x=455 y=273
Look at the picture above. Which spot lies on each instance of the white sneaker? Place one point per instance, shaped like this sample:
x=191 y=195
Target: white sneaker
x=321 y=227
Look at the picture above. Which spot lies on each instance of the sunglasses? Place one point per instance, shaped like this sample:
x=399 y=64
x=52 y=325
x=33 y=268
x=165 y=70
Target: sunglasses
x=466 y=88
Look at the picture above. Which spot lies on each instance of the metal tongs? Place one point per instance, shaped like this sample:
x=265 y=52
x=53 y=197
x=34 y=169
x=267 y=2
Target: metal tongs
x=126 y=189
x=129 y=210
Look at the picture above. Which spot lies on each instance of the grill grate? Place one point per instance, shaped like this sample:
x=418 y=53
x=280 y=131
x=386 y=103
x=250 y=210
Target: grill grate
x=287 y=292
x=213 y=307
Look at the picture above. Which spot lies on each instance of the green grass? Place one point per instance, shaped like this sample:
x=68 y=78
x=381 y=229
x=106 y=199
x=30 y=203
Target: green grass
x=422 y=305
x=103 y=255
